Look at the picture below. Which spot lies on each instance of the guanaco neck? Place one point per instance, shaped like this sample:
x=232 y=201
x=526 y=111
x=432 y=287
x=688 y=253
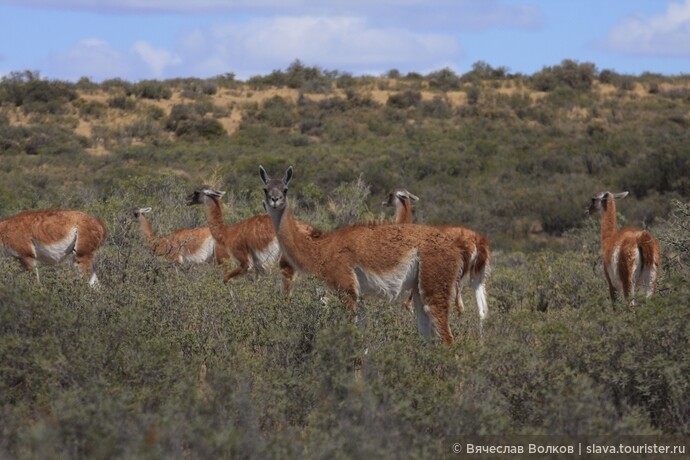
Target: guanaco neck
x=300 y=251
x=146 y=229
x=609 y=226
x=403 y=212
x=214 y=215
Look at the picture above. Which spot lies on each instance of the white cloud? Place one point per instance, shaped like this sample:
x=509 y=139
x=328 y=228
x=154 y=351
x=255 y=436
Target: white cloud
x=156 y=59
x=343 y=43
x=98 y=60
x=260 y=46
x=661 y=35
x=93 y=58
x=340 y=40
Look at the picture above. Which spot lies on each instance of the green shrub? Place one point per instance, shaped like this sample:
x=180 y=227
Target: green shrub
x=677 y=93
x=520 y=102
x=277 y=112
x=155 y=113
x=342 y=130
x=188 y=121
x=626 y=84
x=86 y=85
x=348 y=203
x=311 y=126
x=92 y=110
x=42 y=140
x=483 y=71
x=333 y=104
x=569 y=73
x=195 y=88
x=444 y=80
x=608 y=76
x=152 y=89
x=297 y=76
x=473 y=94
x=404 y=100
x=675 y=239
x=206 y=128
x=346 y=81
x=122 y=102
x=117 y=85
x=363 y=100
x=34 y=94
x=662 y=171
x=437 y=108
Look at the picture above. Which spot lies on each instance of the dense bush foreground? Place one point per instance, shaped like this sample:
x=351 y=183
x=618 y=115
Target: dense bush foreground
x=168 y=362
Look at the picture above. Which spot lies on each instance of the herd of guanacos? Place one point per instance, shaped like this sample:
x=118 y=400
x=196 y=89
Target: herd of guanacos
x=427 y=264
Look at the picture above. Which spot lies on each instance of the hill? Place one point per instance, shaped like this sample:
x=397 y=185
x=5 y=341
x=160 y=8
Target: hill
x=543 y=143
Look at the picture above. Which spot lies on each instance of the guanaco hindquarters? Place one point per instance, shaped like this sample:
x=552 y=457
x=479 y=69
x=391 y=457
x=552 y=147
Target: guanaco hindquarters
x=631 y=255
x=474 y=247
x=50 y=236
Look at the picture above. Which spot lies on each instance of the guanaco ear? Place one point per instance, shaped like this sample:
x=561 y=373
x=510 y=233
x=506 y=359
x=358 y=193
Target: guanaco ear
x=604 y=198
x=136 y=211
x=620 y=196
x=404 y=195
x=288 y=176
x=263 y=174
x=212 y=192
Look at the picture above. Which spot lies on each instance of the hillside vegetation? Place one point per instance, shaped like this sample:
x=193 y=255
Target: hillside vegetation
x=166 y=361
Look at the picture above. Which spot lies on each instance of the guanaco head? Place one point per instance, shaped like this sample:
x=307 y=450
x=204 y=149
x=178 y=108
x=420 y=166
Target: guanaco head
x=275 y=190
x=136 y=212
x=599 y=202
x=198 y=195
x=398 y=196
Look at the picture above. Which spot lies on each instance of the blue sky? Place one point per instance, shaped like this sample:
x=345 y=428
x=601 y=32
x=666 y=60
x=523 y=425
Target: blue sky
x=160 y=39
